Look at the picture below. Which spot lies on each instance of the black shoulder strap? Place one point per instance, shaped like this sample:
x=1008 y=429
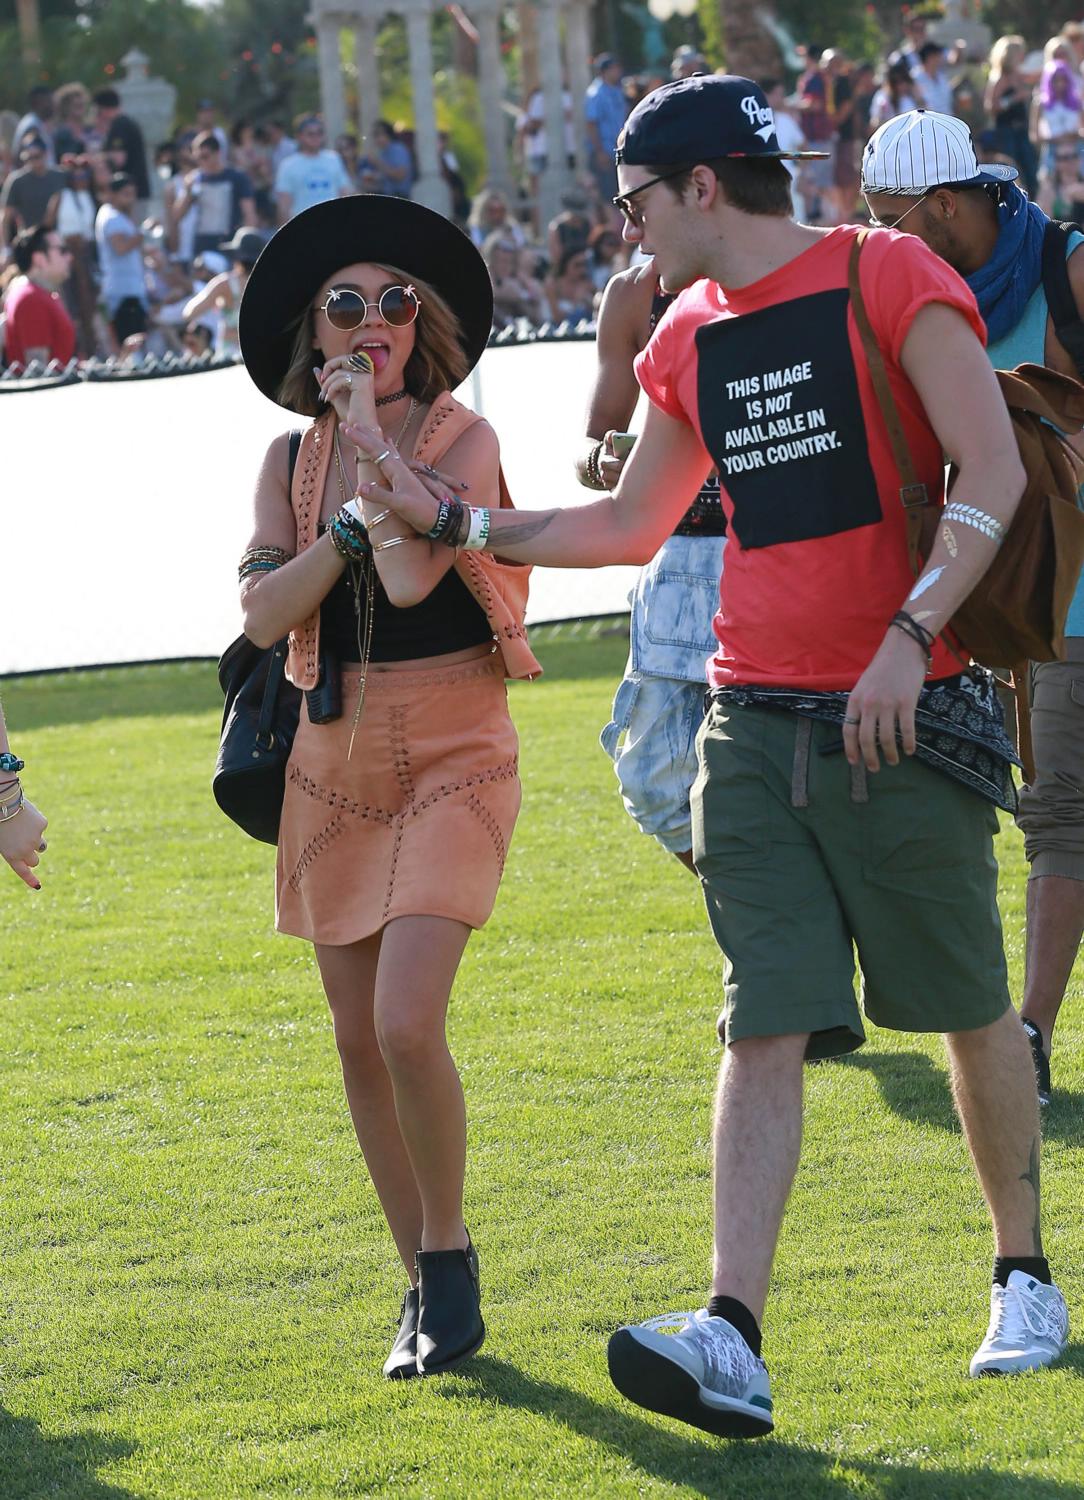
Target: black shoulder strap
x=1064 y=312
x=295 y=448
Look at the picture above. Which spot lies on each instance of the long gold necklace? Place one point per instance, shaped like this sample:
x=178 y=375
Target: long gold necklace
x=367 y=569
x=358 y=570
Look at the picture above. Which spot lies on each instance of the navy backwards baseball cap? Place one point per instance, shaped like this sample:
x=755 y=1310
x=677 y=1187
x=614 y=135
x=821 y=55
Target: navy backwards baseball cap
x=701 y=119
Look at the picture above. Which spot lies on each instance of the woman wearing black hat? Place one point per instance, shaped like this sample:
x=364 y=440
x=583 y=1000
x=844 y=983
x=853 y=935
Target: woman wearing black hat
x=402 y=795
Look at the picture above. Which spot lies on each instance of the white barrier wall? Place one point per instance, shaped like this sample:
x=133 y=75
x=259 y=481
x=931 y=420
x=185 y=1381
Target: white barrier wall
x=125 y=506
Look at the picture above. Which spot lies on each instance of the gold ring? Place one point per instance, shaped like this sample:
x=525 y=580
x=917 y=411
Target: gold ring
x=382 y=456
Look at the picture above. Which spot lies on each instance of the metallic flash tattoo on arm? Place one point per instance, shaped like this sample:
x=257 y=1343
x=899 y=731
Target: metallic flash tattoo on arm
x=970 y=515
x=925 y=582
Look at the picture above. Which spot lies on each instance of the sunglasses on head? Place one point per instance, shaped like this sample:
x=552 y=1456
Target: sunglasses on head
x=346 y=309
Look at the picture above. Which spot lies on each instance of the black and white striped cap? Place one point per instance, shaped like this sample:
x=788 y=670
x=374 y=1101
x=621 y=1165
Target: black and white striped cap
x=921 y=150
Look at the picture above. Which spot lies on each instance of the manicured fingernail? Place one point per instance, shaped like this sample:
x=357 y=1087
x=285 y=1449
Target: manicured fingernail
x=316 y=370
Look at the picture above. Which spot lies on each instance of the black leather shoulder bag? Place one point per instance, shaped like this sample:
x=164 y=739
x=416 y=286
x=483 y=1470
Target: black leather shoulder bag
x=258 y=727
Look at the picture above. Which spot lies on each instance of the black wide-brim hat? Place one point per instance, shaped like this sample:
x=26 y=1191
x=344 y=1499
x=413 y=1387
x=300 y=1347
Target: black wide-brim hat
x=323 y=239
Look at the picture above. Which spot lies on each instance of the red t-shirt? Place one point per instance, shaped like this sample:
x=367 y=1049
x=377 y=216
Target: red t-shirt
x=35 y=319
x=773 y=380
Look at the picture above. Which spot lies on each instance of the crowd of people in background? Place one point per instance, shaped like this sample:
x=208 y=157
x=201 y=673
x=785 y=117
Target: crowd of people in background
x=109 y=247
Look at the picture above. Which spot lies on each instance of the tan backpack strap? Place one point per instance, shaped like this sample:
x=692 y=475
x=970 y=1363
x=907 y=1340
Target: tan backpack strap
x=913 y=494
x=1021 y=686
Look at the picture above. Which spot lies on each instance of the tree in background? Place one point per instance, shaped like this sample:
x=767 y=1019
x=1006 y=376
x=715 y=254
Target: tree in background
x=85 y=40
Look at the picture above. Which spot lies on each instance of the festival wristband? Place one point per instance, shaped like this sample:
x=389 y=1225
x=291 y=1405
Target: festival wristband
x=478 y=531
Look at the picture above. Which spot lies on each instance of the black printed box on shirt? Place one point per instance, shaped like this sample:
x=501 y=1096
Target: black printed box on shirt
x=781 y=415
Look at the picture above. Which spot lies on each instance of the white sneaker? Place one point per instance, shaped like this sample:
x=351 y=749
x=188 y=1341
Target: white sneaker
x=1029 y=1326
x=700 y=1370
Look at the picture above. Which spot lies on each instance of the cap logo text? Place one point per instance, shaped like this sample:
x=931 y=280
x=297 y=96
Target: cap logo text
x=759 y=114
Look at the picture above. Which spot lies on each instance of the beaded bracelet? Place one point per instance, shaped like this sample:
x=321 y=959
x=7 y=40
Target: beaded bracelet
x=261 y=560
x=348 y=536
x=591 y=467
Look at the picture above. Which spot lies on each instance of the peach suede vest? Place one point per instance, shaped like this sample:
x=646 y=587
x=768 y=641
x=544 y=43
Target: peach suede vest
x=499 y=587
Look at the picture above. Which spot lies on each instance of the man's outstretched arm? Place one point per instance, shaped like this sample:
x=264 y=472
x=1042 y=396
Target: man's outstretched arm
x=658 y=484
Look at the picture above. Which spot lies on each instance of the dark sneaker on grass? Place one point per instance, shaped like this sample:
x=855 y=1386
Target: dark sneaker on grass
x=1040 y=1059
x=696 y=1368
x=1029 y=1327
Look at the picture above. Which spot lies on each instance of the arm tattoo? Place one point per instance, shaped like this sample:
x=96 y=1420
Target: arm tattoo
x=1032 y=1176
x=521 y=531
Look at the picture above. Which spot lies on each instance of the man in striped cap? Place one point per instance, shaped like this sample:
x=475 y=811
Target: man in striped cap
x=920 y=175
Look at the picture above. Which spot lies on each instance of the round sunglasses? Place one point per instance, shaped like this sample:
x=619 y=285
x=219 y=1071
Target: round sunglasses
x=345 y=308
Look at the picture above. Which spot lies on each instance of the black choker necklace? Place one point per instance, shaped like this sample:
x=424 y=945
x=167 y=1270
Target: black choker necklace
x=395 y=396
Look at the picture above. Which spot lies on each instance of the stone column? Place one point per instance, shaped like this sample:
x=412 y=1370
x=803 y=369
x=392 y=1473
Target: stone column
x=578 y=53
x=151 y=102
x=430 y=188
x=329 y=62
x=487 y=15
x=365 y=60
x=550 y=67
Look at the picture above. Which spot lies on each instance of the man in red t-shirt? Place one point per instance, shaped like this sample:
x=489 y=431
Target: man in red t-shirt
x=813 y=834
x=36 y=322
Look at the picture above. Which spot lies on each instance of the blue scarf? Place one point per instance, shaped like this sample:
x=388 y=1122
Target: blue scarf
x=1006 y=283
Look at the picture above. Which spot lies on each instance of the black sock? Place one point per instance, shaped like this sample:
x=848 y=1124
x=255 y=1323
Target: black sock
x=737 y=1314
x=1031 y=1265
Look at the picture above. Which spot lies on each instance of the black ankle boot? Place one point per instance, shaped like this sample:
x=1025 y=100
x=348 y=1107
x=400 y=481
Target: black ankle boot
x=450 y=1327
x=402 y=1362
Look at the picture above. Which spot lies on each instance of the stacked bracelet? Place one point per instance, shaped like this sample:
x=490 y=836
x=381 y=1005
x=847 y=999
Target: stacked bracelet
x=261 y=560
x=348 y=535
x=918 y=633
x=478 y=530
x=449 y=523
x=12 y=808
x=591 y=468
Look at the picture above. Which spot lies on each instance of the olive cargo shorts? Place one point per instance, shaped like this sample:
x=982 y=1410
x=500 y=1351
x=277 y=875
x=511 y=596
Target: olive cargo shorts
x=1051 y=815
x=907 y=877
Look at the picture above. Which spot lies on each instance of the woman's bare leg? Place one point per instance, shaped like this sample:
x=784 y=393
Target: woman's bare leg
x=419 y=957
x=349 y=976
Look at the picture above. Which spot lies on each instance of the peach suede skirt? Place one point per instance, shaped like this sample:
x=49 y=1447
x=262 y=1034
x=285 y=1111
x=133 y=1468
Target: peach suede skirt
x=417 y=821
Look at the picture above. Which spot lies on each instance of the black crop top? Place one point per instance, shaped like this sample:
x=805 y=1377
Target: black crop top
x=448 y=619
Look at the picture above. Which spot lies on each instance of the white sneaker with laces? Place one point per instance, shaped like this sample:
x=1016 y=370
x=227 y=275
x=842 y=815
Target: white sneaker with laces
x=1029 y=1326
x=696 y=1368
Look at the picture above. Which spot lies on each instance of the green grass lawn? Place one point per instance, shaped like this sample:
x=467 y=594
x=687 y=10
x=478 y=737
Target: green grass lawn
x=196 y=1286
